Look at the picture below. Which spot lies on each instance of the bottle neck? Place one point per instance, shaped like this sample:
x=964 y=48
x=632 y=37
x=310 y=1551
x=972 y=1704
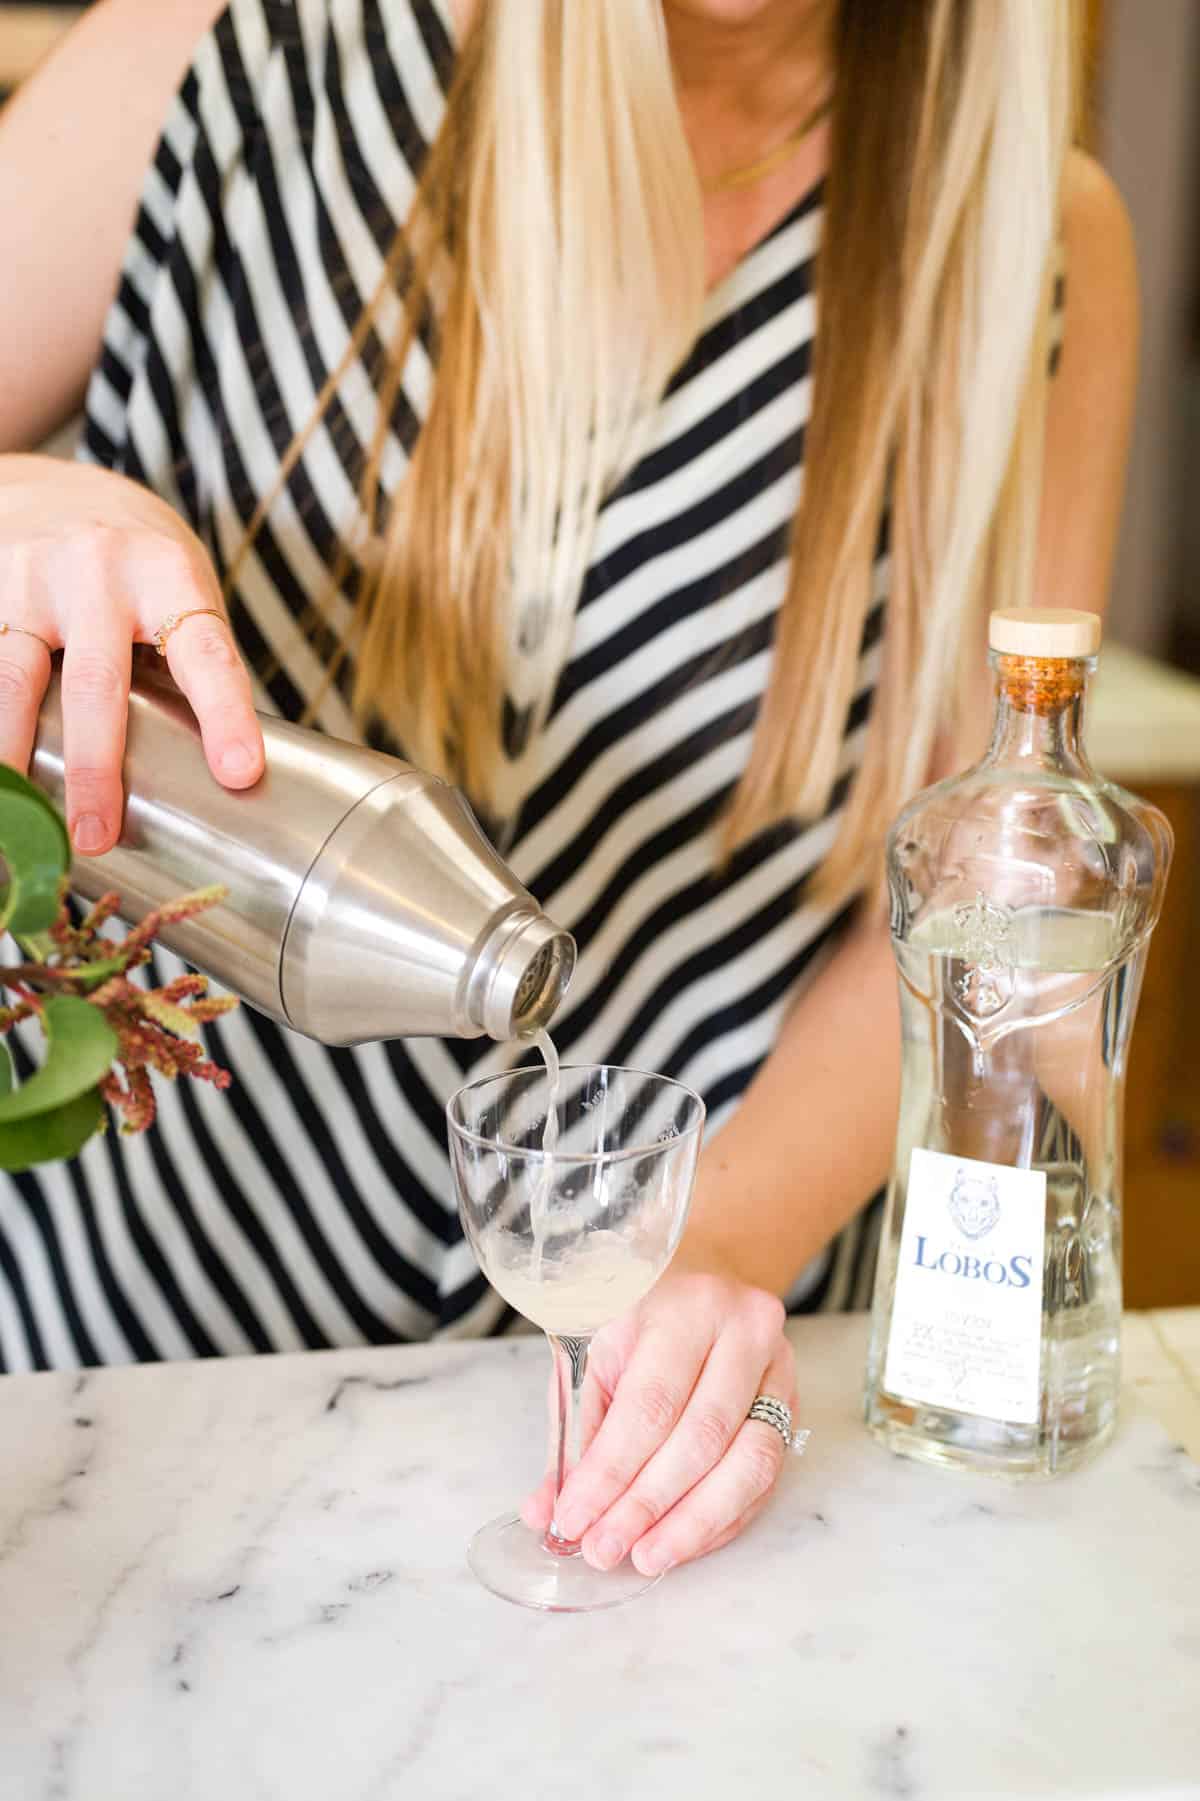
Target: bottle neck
x=1039 y=712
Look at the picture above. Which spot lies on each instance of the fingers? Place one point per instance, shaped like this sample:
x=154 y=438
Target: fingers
x=24 y=661
x=537 y=1509
x=93 y=562
x=204 y=661
x=731 y=1532
x=95 y=694
x=24 y=672
x=675 y=1468
x=649 y=1401
x=735 y=1488
x=710 y=1422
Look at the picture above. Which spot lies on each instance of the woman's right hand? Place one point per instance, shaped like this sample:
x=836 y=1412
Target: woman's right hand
x=93 y=564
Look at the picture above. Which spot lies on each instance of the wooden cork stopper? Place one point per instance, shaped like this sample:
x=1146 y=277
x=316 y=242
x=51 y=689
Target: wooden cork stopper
x=1042 y=655
x=1040 y=684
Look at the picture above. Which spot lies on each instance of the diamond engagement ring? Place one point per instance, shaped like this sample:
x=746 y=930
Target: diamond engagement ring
x=176 y=619
x=773 y=1412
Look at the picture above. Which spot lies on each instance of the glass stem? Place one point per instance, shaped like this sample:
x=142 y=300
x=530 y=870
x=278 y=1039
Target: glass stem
x=570 y=1369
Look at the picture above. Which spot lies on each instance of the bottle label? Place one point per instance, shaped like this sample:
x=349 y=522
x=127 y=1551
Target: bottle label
x=967 y=1316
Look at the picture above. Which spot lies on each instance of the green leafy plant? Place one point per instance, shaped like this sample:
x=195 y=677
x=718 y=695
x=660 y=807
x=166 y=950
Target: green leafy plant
x=105 y=1034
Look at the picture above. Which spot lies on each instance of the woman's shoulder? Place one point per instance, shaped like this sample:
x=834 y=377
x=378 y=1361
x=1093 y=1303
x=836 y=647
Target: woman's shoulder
x=1095 y=220
x=1091 y=408
x=1100 y=265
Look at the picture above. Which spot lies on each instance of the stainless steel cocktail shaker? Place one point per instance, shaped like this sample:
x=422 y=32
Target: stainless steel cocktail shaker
x=364 y=901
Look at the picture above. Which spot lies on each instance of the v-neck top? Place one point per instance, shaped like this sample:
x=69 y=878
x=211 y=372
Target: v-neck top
x=311 y=1204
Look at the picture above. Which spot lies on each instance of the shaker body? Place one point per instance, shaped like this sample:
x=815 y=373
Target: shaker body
x=363 y=901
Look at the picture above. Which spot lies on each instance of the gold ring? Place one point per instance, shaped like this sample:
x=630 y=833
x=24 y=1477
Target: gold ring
x=26 y=633
x=176 y=619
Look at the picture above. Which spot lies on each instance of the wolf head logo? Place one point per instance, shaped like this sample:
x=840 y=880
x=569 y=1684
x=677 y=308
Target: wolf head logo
x=974 y=1204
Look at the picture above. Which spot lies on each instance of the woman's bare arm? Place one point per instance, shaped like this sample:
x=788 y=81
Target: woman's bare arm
x=74 y=146
x=90 y=562
x=1091 y=403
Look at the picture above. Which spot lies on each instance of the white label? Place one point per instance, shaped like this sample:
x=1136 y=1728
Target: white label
x=967 y=1316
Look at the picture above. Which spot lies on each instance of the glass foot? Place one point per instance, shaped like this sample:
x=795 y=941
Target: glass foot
x=510 y=1559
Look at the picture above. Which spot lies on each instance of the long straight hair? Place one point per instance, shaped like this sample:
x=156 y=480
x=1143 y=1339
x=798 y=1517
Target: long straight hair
x=553 y=263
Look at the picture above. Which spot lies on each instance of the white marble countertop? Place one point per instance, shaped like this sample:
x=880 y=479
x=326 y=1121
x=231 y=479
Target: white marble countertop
x=244 y=1581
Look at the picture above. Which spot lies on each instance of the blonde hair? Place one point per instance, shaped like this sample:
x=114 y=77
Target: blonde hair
x=553 y=260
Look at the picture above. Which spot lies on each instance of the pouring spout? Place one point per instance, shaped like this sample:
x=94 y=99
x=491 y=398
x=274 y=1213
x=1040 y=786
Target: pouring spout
x=520 y=975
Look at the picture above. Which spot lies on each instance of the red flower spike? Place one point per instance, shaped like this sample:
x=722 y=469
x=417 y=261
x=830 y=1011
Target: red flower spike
x=174 y=913
x=213 y=1007
x=105 y=909
x=157 y=1029
x=182 y=988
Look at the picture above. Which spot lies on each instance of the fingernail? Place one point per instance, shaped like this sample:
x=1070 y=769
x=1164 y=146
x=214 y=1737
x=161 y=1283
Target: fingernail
x=90 y=833
x=655 y=1561
x=571 y=1523
x=237 y=759
x=606 y=1553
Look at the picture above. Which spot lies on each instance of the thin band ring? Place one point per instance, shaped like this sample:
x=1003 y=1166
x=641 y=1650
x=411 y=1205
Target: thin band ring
x=174 y=620
x=25 y=632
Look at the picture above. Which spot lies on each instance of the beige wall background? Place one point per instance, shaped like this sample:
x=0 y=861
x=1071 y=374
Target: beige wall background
x=1149 y=137
x=27 y=33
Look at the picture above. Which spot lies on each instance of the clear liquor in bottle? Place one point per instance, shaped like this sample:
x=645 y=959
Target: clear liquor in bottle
x=1023 y=895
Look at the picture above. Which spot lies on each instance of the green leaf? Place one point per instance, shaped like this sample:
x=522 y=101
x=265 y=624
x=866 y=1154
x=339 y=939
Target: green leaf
x=50 y=1137
x=94 y=975
x=38 y=947
x=37 y=851
x=81 y=1049
x=6 y=1069
x=12 y=783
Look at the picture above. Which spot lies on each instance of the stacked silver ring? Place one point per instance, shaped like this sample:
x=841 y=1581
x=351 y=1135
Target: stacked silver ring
x=773 y=1412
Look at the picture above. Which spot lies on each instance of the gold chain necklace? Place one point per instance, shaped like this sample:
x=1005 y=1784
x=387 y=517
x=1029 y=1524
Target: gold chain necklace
x=763 y=166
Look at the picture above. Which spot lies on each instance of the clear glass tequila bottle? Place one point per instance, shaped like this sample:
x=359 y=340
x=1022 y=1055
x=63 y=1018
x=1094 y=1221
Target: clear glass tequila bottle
x=1023 y=895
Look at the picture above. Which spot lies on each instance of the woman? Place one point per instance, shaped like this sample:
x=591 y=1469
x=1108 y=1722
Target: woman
x=471 y=354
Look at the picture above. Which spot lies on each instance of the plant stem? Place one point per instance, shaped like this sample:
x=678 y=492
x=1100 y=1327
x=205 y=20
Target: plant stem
x=35 y=975
x=570 y=1366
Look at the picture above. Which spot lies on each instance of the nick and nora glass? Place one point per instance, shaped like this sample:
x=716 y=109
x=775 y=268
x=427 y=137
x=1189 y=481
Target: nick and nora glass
x=573 y=1194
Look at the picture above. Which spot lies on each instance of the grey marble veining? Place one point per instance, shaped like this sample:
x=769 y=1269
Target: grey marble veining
x=244 y=1581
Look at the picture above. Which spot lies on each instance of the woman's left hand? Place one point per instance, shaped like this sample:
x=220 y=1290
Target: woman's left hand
x=672 y=1467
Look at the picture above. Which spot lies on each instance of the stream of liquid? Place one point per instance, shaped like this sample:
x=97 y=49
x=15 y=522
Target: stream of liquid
x=590 y=1280
x=539 y=1206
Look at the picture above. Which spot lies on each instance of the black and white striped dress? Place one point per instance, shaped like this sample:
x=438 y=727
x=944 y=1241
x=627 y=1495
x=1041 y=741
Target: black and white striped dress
x=311 y=1205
